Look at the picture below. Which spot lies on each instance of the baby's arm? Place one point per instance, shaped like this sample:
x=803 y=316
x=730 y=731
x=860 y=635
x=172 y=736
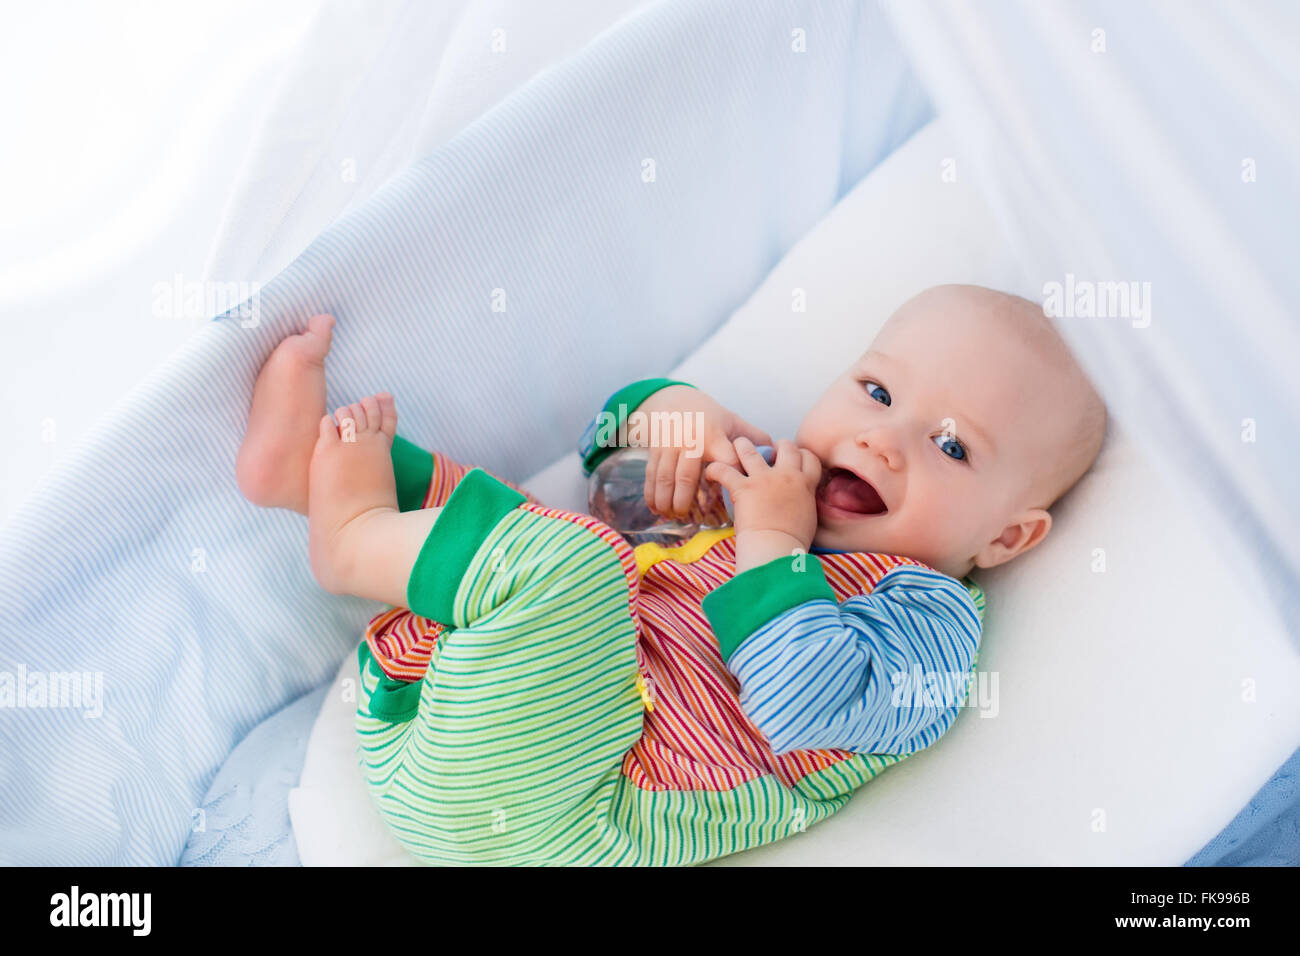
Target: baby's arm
x=854 y=676
x=814 y=673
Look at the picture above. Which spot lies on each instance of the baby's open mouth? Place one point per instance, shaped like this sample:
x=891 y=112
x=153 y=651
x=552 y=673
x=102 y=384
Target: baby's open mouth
x=846 y=491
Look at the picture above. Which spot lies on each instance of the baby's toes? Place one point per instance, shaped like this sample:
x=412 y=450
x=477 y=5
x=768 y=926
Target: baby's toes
x=329 y=433
x=388 y=414
x=370 y=408
x=348 y=424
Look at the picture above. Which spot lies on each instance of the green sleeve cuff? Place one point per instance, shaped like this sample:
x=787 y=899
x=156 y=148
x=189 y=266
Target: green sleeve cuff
x=600 y=440
x=976 y=594
x=413 y=469
x=742 y=605
x=476 y=505
x=392 y=700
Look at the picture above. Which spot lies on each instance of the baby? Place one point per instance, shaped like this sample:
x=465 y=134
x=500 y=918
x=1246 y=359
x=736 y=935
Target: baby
x=541 y=693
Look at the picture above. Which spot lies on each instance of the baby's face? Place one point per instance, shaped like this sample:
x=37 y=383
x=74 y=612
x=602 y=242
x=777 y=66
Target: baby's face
x=930 y=441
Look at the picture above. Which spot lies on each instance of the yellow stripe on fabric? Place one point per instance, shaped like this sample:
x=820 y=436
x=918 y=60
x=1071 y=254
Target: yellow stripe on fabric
x=650 y=553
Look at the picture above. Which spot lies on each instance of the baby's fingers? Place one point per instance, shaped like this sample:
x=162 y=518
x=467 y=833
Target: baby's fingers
x=787 y=454
x=688 y=482
x=750 y=459
x=726 y=475
x=665 y=480
x=812 y=466
x=752 y=432
x=651 y=470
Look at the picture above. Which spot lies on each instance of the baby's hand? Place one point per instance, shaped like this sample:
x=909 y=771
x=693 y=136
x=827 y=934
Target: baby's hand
x=672 y=475
x=775 y=505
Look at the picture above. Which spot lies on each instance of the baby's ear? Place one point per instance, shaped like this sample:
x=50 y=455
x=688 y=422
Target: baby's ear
x=1025 y=531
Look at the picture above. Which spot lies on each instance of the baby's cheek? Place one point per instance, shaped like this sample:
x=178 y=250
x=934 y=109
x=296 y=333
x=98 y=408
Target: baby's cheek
x=806 y=437
x=816 y=431
x=940 y=527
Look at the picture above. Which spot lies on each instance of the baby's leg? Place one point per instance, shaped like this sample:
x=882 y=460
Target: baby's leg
x=360 y=543
x=506 y=750
x=284 y=423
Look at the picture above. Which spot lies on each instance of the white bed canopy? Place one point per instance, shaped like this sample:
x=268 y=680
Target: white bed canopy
x=1154 y=143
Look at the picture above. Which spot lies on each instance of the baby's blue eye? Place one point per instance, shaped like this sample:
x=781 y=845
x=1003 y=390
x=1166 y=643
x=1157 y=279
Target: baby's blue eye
x=878 y=393
x=950 y=447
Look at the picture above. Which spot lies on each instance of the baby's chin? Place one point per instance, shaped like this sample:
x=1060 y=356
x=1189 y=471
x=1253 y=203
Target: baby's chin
x=862 y=535
x=861 y=541
x=838 y=538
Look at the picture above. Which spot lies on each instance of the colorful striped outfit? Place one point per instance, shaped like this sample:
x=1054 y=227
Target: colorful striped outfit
x=553 y=697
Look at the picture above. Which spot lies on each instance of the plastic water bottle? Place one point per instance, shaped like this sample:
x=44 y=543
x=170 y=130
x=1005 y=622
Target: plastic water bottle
x=616 y=495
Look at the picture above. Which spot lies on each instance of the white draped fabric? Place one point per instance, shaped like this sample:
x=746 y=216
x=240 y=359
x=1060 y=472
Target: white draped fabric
x=1154 y=145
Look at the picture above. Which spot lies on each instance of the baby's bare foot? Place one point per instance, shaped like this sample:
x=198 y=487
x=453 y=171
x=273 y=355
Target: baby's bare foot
x=288 y=401
x=351 y=482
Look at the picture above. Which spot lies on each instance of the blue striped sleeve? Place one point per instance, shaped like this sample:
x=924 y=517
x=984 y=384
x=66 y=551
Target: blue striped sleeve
x=881 y=673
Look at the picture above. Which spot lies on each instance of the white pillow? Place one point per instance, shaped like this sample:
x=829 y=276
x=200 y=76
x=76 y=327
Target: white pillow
x=1137 y=708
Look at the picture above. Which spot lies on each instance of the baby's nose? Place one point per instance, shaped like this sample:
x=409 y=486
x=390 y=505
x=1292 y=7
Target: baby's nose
x=884 y=443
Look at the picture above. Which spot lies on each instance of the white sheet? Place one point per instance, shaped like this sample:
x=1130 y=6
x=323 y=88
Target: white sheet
x=1137 y=708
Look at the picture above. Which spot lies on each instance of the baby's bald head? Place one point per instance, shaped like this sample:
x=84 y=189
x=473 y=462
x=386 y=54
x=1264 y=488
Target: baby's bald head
x=1023 y=343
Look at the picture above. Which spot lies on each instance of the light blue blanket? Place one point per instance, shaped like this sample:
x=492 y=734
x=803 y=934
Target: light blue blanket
x=619 y=207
